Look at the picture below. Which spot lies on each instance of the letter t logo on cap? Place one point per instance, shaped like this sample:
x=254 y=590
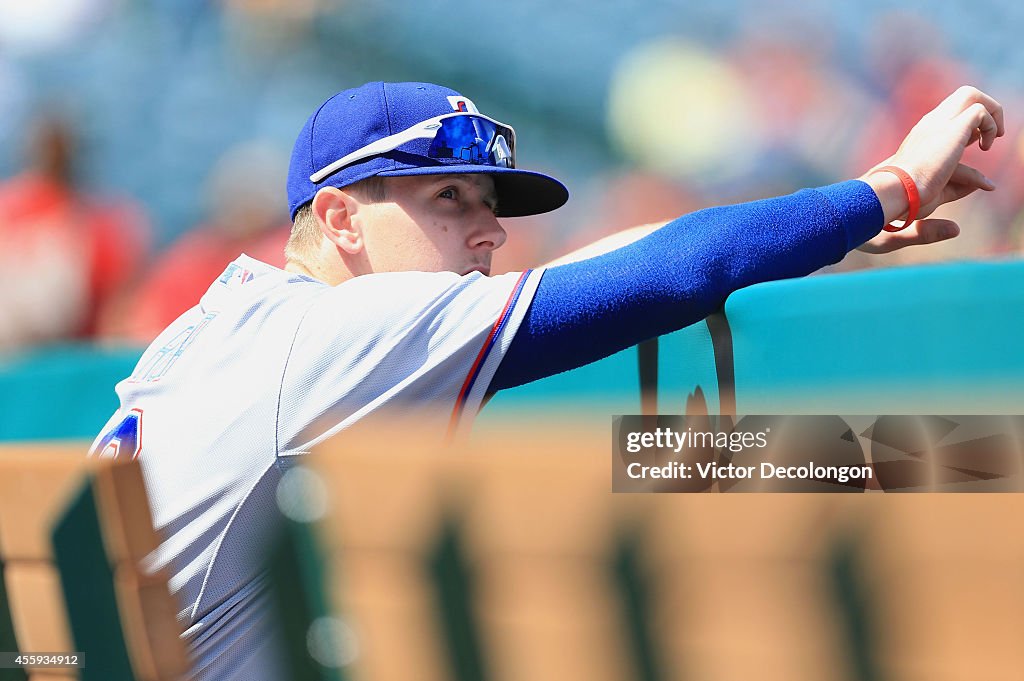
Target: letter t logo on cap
x=462 y=104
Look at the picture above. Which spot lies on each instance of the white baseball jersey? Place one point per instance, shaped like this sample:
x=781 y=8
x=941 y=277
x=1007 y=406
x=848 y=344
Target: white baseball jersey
x=267 y=365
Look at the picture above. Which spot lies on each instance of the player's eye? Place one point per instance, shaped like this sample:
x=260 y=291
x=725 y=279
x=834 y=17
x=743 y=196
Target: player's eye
x=449 y=193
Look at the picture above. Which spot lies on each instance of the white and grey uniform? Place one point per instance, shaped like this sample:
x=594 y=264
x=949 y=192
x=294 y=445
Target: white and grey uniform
x=265 y=367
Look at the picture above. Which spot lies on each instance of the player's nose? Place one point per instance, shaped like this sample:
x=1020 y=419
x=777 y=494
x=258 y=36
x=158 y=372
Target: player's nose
x=489 y=234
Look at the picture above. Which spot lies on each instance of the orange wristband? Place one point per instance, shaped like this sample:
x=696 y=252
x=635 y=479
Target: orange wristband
x=913 y=197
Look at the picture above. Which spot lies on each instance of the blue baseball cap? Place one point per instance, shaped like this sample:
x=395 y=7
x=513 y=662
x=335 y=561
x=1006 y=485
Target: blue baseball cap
x=350 y=120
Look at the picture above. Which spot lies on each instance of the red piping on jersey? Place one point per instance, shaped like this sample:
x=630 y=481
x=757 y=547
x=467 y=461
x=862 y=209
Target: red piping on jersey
x=474 y=371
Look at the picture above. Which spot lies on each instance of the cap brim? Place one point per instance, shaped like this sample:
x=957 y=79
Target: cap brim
x=520 y=192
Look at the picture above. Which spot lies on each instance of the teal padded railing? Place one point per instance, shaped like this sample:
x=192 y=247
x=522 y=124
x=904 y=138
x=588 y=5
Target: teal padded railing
x=913 y=340
x=916 y=340
x=64 y=392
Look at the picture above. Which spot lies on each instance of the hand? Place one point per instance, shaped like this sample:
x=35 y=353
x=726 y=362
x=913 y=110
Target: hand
x=921 y=232
x=931 y=154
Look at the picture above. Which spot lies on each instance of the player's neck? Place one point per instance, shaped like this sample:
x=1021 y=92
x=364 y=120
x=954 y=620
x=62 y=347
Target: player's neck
x=322 y=274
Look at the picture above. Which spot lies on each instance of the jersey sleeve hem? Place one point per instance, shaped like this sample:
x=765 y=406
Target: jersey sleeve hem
x=859 y=210
x=475 y=385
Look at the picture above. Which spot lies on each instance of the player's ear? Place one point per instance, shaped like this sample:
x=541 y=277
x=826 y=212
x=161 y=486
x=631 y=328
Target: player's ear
x=334 y=209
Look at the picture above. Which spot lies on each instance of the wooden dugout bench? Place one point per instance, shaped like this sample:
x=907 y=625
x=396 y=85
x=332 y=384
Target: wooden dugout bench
x=508 y=558
x=73 y=534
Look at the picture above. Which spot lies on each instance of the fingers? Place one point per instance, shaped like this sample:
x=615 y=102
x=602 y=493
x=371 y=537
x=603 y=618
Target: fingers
x=930 y=231
x=966 y=97
x=964 y=181
x=971 y=177
x=976 y=119
x=921 y=232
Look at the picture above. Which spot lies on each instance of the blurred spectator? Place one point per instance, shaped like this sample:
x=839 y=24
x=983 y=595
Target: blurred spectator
x=911 y=72
x=808 y=110
x=64 y=253
x=246 y=214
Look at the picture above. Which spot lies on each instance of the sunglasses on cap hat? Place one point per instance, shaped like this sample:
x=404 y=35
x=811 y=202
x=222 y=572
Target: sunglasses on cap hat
x=469 y=137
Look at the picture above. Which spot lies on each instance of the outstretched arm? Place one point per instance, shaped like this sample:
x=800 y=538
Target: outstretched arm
x=679 y=274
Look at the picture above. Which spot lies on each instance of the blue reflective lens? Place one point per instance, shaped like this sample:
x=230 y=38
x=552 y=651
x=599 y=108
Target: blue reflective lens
x=474 y=140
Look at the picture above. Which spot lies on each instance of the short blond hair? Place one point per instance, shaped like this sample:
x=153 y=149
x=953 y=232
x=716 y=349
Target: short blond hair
x=304 y=241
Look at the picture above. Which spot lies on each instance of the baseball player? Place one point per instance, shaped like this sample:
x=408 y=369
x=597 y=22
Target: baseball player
x=386 y=300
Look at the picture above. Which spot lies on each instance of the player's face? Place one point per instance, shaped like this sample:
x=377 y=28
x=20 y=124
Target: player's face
x=433 y=223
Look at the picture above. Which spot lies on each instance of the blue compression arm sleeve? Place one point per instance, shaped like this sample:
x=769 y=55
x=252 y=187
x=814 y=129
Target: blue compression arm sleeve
x=680 y=274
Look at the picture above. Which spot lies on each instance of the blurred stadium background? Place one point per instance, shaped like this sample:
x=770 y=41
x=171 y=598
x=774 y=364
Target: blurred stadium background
x=143 y=145
x=174 y=121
